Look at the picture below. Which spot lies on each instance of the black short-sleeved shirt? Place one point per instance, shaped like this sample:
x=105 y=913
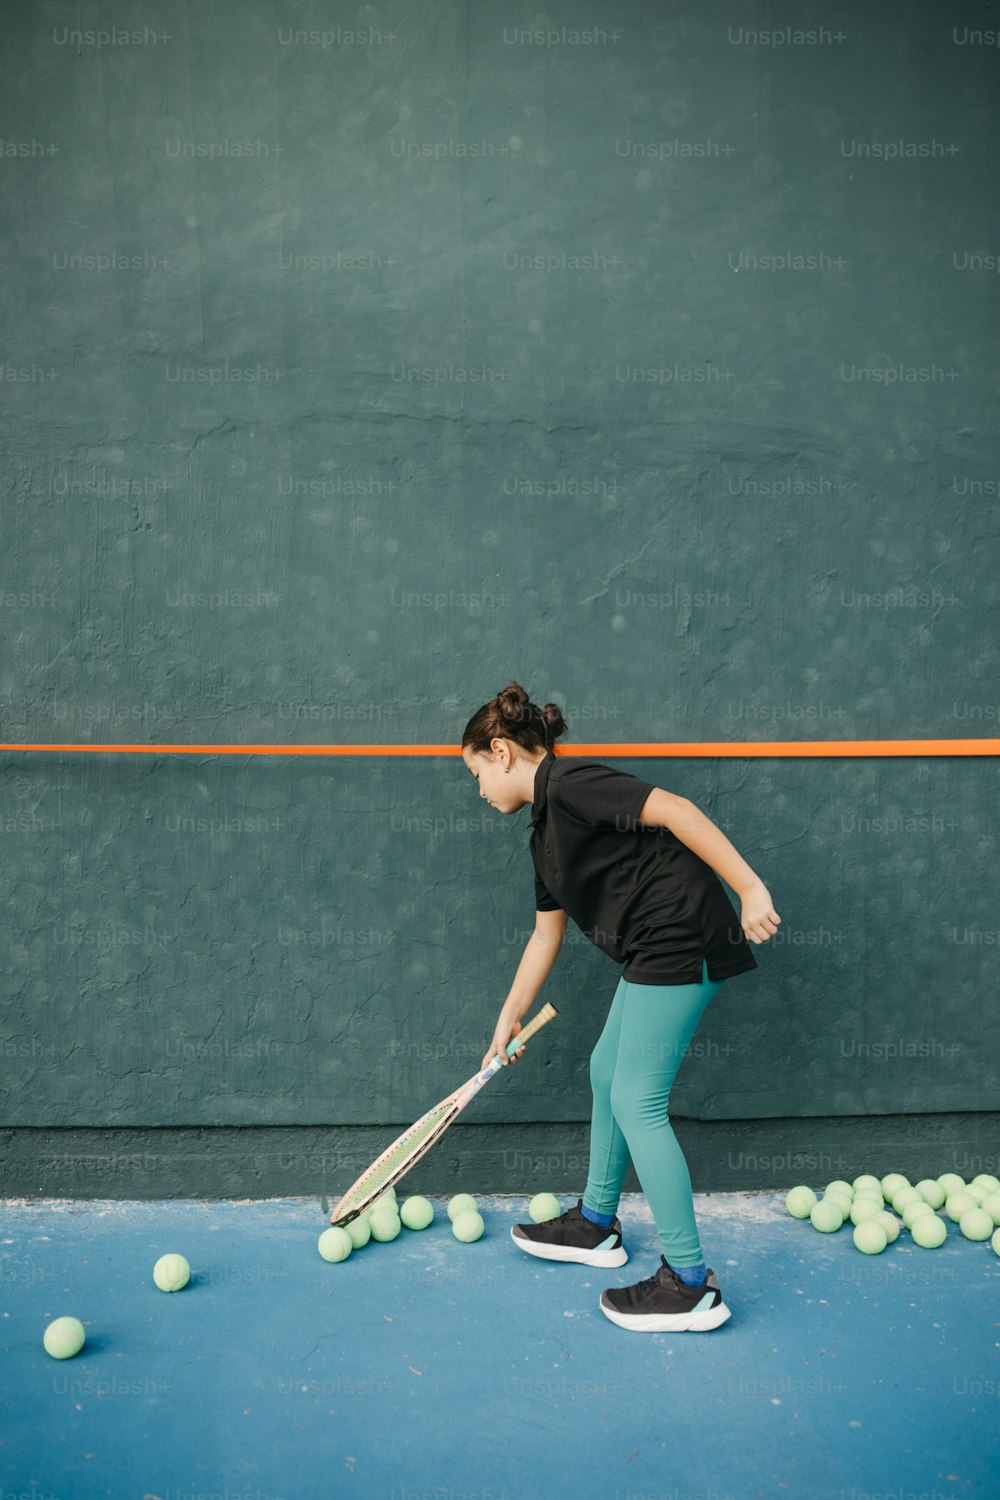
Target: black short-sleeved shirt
x=638 y=893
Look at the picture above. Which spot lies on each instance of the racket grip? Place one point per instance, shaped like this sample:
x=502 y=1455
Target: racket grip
x=545 y=1015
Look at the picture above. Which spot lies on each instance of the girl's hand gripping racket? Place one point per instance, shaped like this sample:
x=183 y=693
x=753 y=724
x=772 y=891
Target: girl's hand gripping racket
x=398 y=1158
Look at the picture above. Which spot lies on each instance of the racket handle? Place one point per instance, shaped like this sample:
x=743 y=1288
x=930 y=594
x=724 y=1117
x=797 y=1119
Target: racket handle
x=545 y=1015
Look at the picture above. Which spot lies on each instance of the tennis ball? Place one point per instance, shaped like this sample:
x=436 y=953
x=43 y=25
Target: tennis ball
x=800 y=1202
x=956 y=1204
x=905 y=1195
x=995 y=1241
x=988 y=1181
x=335 y=1244
x=467 y=1226
x=63 y=1338
x=839 y=1186
x=863 y=1209
x=866 y=1180
x=870 y=1238
x=171 y=1273
x=975 y=1224
x=991 y=1206
x=952 y=1183
x=931 y=1191
x=826 y=1216
x=842 y=1201
x=874 y=1195
x=360 y=1231
x=417 y=1213
x=384 y=1225
x=892 y=1183
x=462 y=1203
x=384 y=1200
x=929 y=1231
x=544 y=1206
x=914 y=1211
x=978 y=1191
x=889 y=1223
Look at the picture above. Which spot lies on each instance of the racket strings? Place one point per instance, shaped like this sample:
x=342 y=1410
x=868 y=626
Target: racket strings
x=382 y=1171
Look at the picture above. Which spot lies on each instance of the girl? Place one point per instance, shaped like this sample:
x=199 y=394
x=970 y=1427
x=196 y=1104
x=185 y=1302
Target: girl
x=635 y=867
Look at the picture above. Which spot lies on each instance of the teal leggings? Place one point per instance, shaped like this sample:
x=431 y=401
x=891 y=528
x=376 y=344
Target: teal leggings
x=631 y=1070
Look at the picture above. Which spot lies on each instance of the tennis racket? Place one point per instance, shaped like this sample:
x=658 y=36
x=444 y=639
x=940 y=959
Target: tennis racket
x=398 y=1158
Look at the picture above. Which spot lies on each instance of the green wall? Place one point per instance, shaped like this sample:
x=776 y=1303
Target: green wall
x=345 y=378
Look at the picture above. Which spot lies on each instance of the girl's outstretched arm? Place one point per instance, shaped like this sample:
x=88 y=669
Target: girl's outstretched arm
x=663 y=809
x=540 y=953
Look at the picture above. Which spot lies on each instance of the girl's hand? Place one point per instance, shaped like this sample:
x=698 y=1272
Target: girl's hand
x=505 y=1030
x=758 y=917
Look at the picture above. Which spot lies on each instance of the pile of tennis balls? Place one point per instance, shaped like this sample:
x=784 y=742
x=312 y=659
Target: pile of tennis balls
x=973 y=1206
x=65 y=1337
x=382 y=1221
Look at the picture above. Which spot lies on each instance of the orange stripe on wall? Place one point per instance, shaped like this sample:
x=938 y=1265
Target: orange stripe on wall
x=776 y=748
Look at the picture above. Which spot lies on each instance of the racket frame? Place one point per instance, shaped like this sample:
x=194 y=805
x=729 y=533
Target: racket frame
x=457 y=1101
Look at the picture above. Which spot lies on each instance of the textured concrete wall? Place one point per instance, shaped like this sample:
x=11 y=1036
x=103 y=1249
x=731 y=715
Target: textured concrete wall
x=257 y=1161
x=348 y=376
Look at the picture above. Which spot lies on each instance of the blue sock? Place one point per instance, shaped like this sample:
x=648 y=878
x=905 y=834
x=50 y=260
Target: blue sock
x=691 y=1275
x=605 y=1220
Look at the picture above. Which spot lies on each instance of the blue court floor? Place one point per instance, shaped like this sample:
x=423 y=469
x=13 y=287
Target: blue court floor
x=425 y=1369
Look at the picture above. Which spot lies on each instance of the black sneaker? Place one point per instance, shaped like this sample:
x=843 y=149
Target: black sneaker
x=573 y=1237
x=662 y=1303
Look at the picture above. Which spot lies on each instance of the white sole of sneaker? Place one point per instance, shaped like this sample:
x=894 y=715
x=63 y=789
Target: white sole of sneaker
x=580 y=1257
x=701 y=1320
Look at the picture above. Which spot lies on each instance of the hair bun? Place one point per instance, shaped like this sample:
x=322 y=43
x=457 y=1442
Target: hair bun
x=554 y=720
x=513 y=703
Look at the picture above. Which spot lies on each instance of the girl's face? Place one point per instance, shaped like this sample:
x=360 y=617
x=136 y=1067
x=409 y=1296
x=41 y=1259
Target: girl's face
x=494 y=783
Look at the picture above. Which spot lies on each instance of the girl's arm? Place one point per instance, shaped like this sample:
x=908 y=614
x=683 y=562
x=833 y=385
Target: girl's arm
x=663 y=809
x=540 y=953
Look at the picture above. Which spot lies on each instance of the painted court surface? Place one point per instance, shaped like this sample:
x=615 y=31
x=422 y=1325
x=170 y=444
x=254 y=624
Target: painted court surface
x=425 y=1369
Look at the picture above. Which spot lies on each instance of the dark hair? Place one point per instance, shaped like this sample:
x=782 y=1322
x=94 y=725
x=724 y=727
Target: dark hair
x=511 y=715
